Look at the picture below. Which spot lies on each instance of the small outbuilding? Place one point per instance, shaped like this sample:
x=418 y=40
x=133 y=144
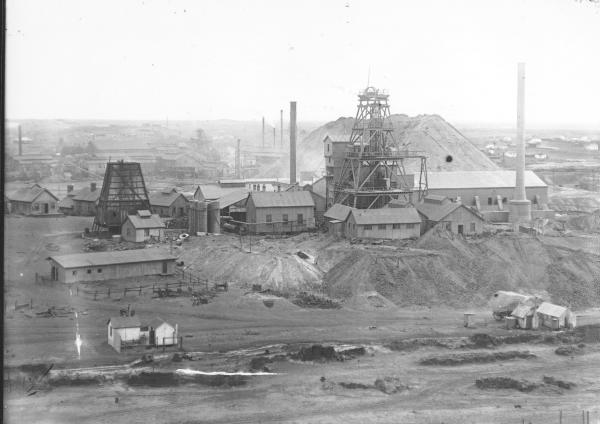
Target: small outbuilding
x=162 y=333
x=34 y=200
x=100 y=266
x=142 y=227
x=555 y=316
x=123 y=329
x=85 y=201
x=453 y=216
x=336 y=217
x=526 y=317
x=280 y=212
x=169 y=203
x=385 y=223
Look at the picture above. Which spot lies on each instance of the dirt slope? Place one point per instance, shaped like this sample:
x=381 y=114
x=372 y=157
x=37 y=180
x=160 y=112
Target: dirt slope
x=428 y=133
x=459 y=272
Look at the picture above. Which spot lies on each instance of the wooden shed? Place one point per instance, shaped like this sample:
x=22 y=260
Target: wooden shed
x=34 y=200
x=280 y=212
x=336 y=217
x=142 y=227
x=454 y=216
x=555 y=316
x=169 y=203
x=99 y=266
x=122 y=329
x=386 y=223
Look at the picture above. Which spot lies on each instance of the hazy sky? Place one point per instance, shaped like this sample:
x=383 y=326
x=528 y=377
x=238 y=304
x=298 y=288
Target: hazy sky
x=245 y=59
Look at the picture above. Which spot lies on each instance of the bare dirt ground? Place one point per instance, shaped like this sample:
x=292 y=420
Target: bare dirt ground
x=237 y=326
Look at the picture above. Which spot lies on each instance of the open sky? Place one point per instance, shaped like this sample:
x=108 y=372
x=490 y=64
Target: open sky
x=205 y=59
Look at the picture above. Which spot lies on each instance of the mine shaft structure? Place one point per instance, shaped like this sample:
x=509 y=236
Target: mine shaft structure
x=123 y=193
x=373 y=170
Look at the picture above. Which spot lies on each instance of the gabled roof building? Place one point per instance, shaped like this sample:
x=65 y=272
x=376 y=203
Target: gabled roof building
x=280 y=212
x=385 y=223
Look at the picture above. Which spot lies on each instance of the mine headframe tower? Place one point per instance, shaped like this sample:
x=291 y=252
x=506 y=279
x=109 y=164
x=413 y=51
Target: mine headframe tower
x=373 y=171
x=123 y=193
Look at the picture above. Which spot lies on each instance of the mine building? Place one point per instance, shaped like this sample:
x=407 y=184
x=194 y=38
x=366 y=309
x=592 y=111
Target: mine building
x=34 y=200
x=555 y=317
x=488 y=191
x=85 y=201
x=210 y=192
x=280 y=212
x=336 y=217
x=142 y=227
x=384 y=223
x=169 y=203
x=100 y=266
x=453 y=216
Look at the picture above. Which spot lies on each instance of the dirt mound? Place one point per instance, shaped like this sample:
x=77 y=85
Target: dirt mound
x=473 y=358
x=317 y=353
x=428 y=133
x=390 y=385
x=569 y=350
x=505 y=383
x=560 y=383
x=170 y=379
x=458 y=271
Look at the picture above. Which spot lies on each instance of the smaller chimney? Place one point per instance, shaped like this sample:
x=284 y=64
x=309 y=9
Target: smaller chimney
x=292 y=142
x=69 y=188
x=92 y=186
x=20 y=142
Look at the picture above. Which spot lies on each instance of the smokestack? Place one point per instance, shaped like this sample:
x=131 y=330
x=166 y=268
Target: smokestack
x=520 y=207
x=263 y=132
x=292 y=142
x=20 y=142
x=274 y=137
x=238 y=161
x=520 y=186
x=281 y=126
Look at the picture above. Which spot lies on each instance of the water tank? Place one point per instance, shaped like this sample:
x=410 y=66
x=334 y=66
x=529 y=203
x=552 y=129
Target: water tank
x=198 y=217
x=214 y=218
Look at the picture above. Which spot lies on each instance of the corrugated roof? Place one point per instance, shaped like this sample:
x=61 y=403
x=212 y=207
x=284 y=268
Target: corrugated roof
x=87 y=195
x=282 y=199
x=79 y=260
x=338 y=212
x=214 y=191
x=125 y=322
x=28 y=194
x=479 y=179
x=551 y=309
x=386 y=216
x=232 y=198
x=153 y=221
x=164 y=199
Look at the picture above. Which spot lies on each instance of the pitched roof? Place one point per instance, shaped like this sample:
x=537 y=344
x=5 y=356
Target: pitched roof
x=551 y=309
x=437 y=212
x=153 y=221
x=28 y=194
x=125 y=322
x=87 y=195
x=338 y=212
x=214 y=191
x=66 y=203
x=479 y=179
x=78 y=260
x=337 y=138
x=523 y=310
x=281 y=199
x=386 y=216
x=162 y=198
x=232 y=198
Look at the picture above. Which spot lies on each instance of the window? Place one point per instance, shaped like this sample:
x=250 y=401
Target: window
x=269 y=218
x=52 y=205
x=300 y=219
x=328 y=147
x=128 y=231
x=410 y=226
x=381 y=226
x=449 y=226
x=472 y=227
x=146 y=232
x=489 y=200
x=396 y=226
x=74 y=272
x=368 y=227
x=505 y=201
x=110 y=330
x=285 y=218
x=99 y=270
x=36 y=207
x=89 y=271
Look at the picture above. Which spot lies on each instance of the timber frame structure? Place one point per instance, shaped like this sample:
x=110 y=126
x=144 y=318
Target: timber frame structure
x=123 y=193
x=373 y=170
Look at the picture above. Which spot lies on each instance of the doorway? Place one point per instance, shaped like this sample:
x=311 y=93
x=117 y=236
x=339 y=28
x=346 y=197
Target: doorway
x=46 y=208
x=165 y=267
x=460 y=228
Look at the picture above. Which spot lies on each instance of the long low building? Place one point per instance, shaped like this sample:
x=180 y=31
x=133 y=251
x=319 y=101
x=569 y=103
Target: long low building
x=99 y=266
x=486 y=190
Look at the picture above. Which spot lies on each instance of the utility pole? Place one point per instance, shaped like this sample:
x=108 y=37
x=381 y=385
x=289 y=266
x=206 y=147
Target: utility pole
x=281 y=127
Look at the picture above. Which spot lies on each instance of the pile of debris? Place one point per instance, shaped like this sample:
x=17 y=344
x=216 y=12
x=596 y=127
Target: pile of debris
x=308 y=300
